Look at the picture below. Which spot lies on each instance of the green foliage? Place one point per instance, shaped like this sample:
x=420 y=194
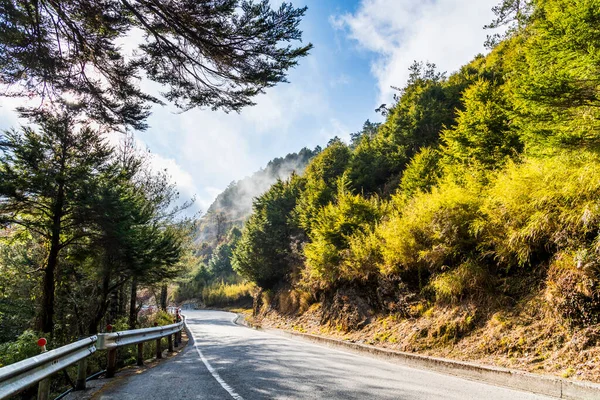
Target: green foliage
x=45 y=182
x=163 y=318
x=332 y=231
x=219 y=265
x=369 y=130
x=219 y=54
x=263 y=254
x=23 y=347
x=432 y=231
x=19 y=284
x=556 y=80
x=92 y=218
x=466 y=279
x=364 y=255
x=424 y=107
x=482 y=136
x=422 y=173
x=217 y=271
x=541 y=206
x=321 y=176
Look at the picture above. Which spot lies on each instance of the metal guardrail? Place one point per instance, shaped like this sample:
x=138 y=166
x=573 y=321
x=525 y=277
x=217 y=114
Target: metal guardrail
x=108 y=341
x=20 y=375
x=17 y=377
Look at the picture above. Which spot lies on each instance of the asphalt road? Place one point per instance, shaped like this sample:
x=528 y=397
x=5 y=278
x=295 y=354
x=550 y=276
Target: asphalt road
x=227 y=361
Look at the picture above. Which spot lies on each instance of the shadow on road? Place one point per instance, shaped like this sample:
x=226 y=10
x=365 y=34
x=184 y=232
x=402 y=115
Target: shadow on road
x=258 y=365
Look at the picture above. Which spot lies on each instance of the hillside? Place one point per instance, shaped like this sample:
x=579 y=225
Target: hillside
x=468 y=223
x=211 y=279
x=234 y=205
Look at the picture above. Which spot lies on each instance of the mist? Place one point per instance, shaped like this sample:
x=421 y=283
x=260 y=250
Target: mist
x=234 y=205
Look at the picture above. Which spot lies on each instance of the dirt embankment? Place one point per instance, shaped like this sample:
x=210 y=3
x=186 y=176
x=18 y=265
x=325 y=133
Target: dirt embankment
x=528 y=335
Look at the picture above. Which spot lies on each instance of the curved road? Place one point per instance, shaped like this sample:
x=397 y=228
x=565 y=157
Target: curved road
x=227 y=361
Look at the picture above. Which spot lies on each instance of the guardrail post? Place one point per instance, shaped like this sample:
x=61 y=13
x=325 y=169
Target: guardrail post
x=81 y=375
x=44 y=389
x=170 y=341
x=140 y=354
x=44 y=385
x=111 y=368
x=158 y=349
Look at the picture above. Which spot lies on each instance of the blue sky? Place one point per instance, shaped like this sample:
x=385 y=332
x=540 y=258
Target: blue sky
x=362 y=47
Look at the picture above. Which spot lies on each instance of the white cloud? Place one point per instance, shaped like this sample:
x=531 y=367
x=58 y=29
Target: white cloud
x=8 y=117
x=448 y=33
x=340 y=80
x=183 y=179
x=215 y=148
x=335 y=128
x=204 y=150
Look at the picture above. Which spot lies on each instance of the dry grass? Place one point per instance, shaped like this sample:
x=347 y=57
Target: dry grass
x=529 y=336
x=225 y=294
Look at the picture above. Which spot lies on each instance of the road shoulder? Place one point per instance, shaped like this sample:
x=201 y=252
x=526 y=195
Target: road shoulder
x=514 y=379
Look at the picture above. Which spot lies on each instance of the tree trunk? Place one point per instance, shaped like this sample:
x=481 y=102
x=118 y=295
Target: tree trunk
x=113 y=307
x=47 y=311
x=163 y=297
x=100 y=312
x=102 y=305
x=133 y=311
x=257 y=303
x=122 y=301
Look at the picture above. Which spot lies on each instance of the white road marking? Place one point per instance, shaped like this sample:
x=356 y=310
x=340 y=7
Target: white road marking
x=214 y=372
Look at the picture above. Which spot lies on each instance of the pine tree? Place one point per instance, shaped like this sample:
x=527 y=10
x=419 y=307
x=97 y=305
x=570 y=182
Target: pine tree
x=45 y=177
x=208 y=53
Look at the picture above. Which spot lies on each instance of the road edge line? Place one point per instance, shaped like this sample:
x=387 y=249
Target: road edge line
x=210 y=368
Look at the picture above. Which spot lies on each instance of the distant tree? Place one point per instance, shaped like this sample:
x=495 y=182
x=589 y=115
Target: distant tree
x=513 y=15
x=263 y=253
x=220 y=264
x=321 y=176
x=219 y=220
x=369 y=130
x=210 y=53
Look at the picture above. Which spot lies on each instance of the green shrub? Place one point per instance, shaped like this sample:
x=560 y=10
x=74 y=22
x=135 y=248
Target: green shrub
x=453 y=286
x=23 y=347
x=431 y=231
x=537 y=208
x=363 y=257
x=332 y=234
x=162 y=318
x=422 y=172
